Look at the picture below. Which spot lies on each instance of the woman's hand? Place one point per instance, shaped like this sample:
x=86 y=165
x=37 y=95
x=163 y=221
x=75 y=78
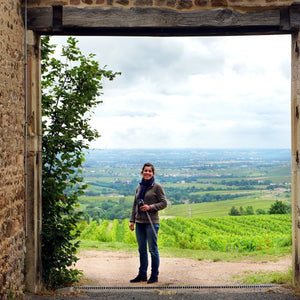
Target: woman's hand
x=145 y=207
x=131 y=226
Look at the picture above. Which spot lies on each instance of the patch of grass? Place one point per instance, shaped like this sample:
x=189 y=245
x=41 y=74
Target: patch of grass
x=263 y=255
x=272 y=254
x=216 y=259
x=264 y=277
x=102 y=246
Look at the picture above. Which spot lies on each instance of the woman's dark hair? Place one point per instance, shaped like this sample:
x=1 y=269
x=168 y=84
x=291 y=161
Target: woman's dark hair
x=148 y=165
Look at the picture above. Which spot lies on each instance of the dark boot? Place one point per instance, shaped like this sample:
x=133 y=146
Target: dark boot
x=152 y=279
x=139 y=278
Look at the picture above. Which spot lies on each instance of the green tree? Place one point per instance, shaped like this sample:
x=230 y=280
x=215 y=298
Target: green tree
x=241 y=210
x=249 y=210
x=234 y=211
x=70 y=90
x=278 y=207
x=260 y=211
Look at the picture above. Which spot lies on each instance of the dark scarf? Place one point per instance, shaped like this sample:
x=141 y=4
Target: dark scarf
x=144 y=184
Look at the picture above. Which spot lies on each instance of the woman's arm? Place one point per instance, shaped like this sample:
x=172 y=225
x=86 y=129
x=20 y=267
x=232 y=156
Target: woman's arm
x=162 y=199
x=133 y=210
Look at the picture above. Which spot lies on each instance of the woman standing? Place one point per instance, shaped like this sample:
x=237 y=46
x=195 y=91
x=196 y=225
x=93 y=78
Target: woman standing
x=149 y=199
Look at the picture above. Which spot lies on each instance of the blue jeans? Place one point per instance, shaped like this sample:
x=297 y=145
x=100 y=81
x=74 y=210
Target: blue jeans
x=144 y=234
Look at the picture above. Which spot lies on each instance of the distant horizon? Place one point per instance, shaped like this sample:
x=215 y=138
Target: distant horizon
x=190 y=148
x=184 y=156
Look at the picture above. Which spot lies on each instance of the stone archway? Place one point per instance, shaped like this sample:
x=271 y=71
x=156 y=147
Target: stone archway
x=153 y=18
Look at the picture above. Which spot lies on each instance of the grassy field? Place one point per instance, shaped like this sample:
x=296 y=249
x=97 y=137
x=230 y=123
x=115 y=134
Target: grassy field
x=216 y=209
x=209 y=209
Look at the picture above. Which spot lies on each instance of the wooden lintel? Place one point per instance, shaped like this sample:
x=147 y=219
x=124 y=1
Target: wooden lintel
x=295 y=18
x=155 y=17
x=40 y=19
x=160 y=22
x=57 y=18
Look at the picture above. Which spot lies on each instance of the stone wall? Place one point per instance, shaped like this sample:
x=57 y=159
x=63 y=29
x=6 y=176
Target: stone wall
x=12 y=99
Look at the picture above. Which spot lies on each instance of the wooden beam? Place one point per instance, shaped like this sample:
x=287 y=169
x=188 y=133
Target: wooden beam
x=40 y=19
x=153 y=17
x=57 y=18
x=33 y=263
x=295 y=18
x=295 y=162
x=160 y=22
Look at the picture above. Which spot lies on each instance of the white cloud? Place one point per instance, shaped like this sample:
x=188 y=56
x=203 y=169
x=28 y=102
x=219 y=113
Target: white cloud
x=193 y=92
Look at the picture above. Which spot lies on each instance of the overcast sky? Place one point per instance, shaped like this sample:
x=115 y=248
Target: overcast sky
x=202 y=92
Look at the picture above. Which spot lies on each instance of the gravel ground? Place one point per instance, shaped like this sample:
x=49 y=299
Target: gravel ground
x=107 y=268
x=114 y=269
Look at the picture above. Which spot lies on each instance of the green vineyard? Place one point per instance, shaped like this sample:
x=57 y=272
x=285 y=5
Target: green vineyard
x=239 y=233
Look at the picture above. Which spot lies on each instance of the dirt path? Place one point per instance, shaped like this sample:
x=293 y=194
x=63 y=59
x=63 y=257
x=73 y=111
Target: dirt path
x=117 y=268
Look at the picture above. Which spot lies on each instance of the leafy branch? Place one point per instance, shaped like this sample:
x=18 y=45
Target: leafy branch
x=70 y=91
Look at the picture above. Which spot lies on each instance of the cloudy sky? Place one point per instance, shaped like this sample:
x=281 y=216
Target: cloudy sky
x=202 y=92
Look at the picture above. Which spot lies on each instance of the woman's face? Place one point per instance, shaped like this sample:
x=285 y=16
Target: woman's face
x=147 y=173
